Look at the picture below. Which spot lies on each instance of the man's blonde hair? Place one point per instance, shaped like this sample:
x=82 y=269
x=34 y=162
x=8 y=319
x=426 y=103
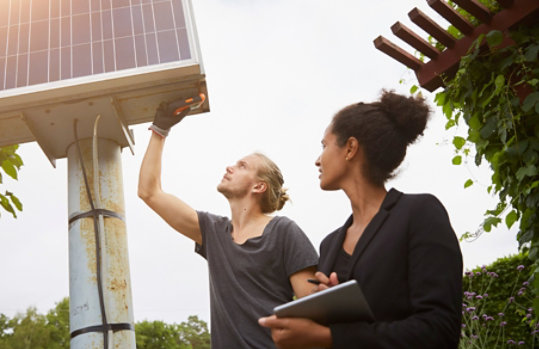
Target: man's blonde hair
x=275 y=195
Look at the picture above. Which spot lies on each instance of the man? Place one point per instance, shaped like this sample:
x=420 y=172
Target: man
x=255 y=261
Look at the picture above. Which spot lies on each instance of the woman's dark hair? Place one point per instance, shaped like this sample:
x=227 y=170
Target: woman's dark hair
x=384 y=129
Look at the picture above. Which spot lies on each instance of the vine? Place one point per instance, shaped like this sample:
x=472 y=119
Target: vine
x=495 y=92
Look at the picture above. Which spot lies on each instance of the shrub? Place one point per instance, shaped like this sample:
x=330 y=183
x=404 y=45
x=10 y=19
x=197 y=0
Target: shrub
x=497 y=305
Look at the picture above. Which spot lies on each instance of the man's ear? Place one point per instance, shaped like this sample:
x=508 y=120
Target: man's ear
x=260 y=187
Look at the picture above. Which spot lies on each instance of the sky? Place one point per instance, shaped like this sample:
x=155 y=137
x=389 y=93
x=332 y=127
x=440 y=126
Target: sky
x=277 y=71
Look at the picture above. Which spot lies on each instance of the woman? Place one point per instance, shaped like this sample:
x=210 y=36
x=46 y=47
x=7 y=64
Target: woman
x=399 y=247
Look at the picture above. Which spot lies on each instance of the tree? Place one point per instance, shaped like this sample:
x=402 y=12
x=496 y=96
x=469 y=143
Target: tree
x=192 y=334
x=51 y=331
x=195 y=332
x=10 y=164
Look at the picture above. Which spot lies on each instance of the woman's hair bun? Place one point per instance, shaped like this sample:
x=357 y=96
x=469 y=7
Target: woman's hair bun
x=408 y=114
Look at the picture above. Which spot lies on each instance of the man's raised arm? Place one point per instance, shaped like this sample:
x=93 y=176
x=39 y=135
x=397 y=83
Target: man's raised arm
x=174 y=211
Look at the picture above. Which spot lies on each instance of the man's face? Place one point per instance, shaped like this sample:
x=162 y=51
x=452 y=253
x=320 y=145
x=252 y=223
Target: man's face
x=240 y=178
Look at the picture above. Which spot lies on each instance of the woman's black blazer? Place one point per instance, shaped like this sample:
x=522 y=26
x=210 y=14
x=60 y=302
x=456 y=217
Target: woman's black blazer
x=409 y=266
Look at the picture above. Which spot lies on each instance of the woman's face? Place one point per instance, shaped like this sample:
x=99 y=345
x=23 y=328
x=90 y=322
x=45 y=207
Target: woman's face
x=331 y=162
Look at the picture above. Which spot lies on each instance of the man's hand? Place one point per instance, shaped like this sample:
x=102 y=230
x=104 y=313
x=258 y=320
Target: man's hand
x=165 y=116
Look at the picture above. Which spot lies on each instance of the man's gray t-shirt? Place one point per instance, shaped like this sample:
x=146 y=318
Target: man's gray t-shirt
x=247 y=281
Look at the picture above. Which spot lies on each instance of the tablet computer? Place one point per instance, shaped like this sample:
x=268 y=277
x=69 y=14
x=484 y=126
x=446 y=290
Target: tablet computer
x=341 y=303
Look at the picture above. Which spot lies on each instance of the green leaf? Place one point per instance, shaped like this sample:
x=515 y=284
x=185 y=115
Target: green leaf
x=457 y=160
x=413 y=89
x=468 y=183
x=511 y=218
x=448 y=110
x=15 y=201
x=440 y=98
x=10 y=170
x=530 y=101
x=499 y=82
x=490 y=222
x=458 y=142
x=450 y=123
x=489 y=128
x=17 y=161
x=4 y=202
x=531 y=53
x=528 y=171
x=474 y=123
x=494 y=38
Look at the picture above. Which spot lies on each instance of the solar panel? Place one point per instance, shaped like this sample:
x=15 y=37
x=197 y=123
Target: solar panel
x=67 y=59
x=43 y=41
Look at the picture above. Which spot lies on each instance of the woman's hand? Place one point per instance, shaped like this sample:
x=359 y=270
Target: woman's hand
x=325 y=281
x=289 y=333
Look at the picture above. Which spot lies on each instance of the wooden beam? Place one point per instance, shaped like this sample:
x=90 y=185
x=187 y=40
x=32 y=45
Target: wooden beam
x=397 y=53
x=414 y=40
x=452 y=16
x=505 y=3
x=431 y=27
x=476 y=9
x=429 y=74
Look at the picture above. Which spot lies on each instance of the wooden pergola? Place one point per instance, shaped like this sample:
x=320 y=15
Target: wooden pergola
x=445 y=63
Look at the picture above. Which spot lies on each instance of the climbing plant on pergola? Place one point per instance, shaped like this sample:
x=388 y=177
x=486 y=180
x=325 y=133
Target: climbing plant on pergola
x=487 y=65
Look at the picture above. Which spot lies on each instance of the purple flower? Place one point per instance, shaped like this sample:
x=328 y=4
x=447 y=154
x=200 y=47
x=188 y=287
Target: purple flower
x=530 y=310
x=463 y=325
x=501 y=314
x=475 y=317
x=511 y=299
x=474 y=336
x=520 y=267
x=470 y=309
x=485 y=295
x=469 y=274
x=521 y=343
x=525 y=283
x=521 y=291
x=479 y=296
x=477 y=273
x=510 y=341
x=503 y=323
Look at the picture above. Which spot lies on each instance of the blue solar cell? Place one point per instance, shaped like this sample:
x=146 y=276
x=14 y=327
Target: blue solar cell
x=49 y=40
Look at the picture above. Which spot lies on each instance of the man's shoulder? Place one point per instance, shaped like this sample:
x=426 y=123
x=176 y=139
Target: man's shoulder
x=208 y=218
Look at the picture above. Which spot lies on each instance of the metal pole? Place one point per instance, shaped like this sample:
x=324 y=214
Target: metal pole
x=86 y=318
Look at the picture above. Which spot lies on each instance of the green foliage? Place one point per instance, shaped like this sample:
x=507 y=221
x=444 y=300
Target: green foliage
x=51 y=331
x=157 y=334
x=497 y=305
x=10 y=163
x=496 y=93
x=36 y=331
